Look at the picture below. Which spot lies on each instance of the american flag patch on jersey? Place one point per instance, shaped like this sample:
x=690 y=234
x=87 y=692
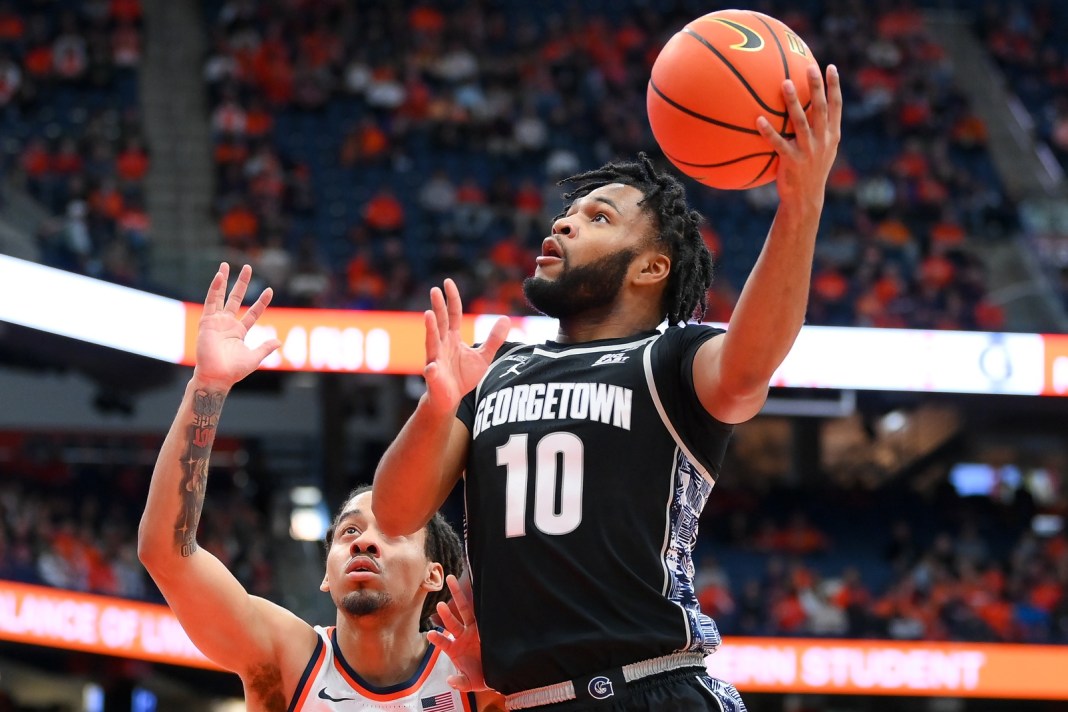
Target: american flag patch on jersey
x=438 y=703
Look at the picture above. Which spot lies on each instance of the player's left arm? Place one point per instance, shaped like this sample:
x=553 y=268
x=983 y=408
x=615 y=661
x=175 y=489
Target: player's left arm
x=732 y=372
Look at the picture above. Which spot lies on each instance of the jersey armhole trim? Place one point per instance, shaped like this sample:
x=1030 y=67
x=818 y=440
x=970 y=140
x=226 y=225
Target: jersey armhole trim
x=647 y=363
x=310 y=671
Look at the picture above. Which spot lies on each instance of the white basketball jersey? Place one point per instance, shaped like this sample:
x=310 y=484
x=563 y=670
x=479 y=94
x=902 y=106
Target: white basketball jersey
x=329 y=684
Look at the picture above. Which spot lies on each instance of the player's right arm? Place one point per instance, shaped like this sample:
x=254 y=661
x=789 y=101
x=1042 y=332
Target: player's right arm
x=732 y=373
x=239 y=632
x=425 y=460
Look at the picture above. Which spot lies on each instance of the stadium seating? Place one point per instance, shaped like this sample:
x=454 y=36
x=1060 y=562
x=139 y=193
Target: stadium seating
x=70 y=118
x=396 y=97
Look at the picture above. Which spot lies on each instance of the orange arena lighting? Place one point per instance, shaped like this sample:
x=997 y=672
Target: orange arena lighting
x=913 y=669
x=54 y=618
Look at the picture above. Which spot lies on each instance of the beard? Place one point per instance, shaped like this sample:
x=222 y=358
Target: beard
x=580 y=289
x=364 y=603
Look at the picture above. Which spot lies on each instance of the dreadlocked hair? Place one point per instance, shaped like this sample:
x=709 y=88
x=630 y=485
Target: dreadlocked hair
x=442 y=545
x=676 y=228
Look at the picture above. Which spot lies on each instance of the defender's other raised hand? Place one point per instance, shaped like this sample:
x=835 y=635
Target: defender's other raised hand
x=805 y=162
x=453 y=368
x=222 y=357
x=460 y=640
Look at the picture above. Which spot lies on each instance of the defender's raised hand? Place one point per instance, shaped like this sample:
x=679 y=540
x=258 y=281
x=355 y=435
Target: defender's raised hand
x=452 y=367
x=222 y=356
x=805 y=162
x=460 y=640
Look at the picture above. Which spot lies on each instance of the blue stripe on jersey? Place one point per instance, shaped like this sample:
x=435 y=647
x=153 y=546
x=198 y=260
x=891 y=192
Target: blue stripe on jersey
x=688 y=499
x=319 y=648
x=379 y=689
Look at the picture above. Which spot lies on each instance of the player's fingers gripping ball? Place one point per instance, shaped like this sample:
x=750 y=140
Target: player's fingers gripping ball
x=709 y=84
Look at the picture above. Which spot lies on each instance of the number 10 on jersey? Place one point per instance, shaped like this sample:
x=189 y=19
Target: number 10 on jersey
x=558 y=471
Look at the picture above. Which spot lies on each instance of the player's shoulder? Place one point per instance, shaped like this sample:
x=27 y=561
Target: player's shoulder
x=511 y=347
x=688 y=335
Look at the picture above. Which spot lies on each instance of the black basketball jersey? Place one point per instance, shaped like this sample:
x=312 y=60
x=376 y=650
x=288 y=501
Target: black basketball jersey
x=588 y=468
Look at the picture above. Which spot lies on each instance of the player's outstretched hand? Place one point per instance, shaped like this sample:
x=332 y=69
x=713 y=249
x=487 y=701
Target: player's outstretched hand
x=460 y=641
x=805 y=161
x=222 y=356
x=453 y=368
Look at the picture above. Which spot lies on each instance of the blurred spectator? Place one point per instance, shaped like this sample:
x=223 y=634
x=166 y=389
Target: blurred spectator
x=437 y=196
x=366 y=143
x=384 y=215
x=273 y=263
x=310 y=282
x=69 y=50
x=239 y=225
x=131 y=164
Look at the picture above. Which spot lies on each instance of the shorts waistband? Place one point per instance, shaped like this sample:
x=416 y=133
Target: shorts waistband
x=602 y=685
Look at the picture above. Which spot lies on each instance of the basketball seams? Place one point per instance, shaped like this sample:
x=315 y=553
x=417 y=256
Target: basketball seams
x=690 y=112
x=785 y=70
x=769 y=164
x=786 y=74
x=778 y=44
x=738 y=75
x=723 y=164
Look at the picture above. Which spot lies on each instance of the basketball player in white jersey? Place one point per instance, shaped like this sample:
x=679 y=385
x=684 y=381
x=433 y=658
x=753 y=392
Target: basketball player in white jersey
x=378 y=655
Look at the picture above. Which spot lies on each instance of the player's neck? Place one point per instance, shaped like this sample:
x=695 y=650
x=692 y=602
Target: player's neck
x=618 y=323
x=382 y=652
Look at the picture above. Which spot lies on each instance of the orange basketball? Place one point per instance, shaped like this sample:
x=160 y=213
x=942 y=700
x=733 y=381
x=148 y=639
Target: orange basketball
x=709 y=84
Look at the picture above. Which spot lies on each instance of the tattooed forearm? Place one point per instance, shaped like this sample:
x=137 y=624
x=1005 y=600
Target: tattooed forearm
x=206 y=409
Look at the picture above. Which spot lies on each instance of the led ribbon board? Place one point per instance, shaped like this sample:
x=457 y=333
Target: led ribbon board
x=341 y=341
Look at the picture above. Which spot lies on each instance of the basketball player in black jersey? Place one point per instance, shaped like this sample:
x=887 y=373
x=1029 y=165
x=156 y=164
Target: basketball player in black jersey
x=587 y=460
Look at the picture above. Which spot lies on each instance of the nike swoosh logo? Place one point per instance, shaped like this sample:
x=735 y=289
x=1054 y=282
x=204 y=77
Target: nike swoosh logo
x=752 y=42
x=324 y=696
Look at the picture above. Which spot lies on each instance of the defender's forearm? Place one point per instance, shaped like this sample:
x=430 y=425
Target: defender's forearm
x=179 y=481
